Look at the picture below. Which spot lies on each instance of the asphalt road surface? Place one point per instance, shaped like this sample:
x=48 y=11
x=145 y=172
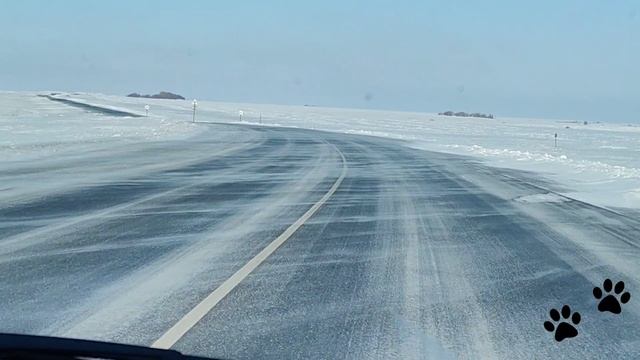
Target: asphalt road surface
x=414 y=255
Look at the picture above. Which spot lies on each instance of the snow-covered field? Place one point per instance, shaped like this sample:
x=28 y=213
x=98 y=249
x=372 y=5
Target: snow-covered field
x=597 y=162
x=37 y=133
x=34 y=127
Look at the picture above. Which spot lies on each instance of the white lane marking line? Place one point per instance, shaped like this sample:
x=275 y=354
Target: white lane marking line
x=178 y=330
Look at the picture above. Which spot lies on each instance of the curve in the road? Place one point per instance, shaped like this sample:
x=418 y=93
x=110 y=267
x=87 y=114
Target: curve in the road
x=178 y=330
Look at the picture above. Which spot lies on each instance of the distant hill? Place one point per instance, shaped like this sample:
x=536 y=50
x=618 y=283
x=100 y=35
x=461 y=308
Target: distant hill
x=464 y=114
x=160 y=95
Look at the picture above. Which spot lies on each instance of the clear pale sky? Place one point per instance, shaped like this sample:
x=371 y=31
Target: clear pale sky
x=561 y=59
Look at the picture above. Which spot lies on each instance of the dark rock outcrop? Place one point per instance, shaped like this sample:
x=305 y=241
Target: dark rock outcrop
x=464 y=114
x=160 y=95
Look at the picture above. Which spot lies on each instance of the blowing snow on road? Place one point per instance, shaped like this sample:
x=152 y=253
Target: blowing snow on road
x=407 y=253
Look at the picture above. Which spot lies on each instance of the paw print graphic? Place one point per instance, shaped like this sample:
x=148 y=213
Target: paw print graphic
x=567 y=327
x=612 y=301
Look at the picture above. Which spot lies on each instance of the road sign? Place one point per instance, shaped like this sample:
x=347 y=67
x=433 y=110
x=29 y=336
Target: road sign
x=195 y=103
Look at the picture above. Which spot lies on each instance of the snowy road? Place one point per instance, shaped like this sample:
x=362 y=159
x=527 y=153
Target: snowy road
x=416 y=254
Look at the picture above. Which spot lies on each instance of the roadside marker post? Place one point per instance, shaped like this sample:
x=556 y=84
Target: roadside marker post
x=240 y=113
x=556 y=140
x=195 y=103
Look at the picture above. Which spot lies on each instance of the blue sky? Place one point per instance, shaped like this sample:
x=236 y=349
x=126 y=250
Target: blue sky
x=558 y=59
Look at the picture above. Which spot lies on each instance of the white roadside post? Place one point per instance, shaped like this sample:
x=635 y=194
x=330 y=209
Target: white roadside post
x=146 y=110
x=556 y=140
x=195 y=103
x=240 y=113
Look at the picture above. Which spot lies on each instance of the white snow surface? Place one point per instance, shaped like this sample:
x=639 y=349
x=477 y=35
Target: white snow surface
x=597 y=163
x=34 y=127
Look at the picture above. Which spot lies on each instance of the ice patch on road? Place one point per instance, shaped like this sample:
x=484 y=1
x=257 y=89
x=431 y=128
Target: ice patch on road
x=542 y=198
x=422 y=345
